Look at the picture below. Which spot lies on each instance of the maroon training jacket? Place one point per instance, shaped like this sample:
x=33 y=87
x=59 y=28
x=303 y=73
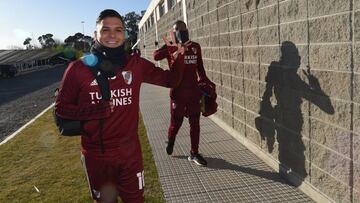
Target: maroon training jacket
x=80 y=99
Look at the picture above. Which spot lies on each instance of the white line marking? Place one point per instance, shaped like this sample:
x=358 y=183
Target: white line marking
x=27 y=124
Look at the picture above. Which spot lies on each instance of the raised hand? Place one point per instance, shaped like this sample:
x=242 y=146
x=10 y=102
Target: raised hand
x=180 y=48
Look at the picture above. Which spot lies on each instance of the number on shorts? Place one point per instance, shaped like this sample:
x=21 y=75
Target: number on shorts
x=140 y=176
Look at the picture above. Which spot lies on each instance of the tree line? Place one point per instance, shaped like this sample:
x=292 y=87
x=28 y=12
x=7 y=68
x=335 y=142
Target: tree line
x=81 y=42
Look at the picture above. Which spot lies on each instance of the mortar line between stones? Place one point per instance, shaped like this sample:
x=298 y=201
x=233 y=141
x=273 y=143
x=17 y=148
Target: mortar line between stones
x=274 y=45
x=352 y=36
x=309 y=103
x=243 y=69
x=258 y=56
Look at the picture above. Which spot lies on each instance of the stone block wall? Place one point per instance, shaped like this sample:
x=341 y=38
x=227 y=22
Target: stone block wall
x=164 y=24
x=288 y=80
x=147 y=43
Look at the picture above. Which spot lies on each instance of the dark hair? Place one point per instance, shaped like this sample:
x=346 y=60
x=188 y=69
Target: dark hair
x=180 y=25
x=108 y=13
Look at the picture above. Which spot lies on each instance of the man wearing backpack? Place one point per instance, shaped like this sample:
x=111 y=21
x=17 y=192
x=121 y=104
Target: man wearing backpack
x=185 y=98
x=107 y=105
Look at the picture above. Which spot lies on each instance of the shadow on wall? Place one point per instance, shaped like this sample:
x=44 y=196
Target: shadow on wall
x=283 y=118
x=250 y=2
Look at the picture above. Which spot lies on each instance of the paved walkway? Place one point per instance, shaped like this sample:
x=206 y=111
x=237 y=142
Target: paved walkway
x=233 y=173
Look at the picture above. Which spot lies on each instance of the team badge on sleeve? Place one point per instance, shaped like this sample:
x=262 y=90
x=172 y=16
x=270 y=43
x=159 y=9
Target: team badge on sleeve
x=127 y=75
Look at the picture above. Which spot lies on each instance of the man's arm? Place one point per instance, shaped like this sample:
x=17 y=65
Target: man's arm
x=67 y=106
x=161 y=53
x=166 y=78
x=201 y=69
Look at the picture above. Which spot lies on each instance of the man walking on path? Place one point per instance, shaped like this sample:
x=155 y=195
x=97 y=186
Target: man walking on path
x=185 y=98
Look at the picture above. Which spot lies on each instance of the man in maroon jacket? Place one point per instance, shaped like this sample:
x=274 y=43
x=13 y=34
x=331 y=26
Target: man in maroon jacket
x=185 y=98
x=110 y=151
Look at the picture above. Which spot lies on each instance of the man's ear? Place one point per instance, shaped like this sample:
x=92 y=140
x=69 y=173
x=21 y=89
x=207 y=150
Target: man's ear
x=95 y=33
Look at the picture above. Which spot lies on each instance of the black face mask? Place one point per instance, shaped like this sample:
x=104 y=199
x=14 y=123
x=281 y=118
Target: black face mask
x=181 y=36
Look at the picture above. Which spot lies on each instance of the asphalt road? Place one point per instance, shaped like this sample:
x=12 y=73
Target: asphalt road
x=25 y=96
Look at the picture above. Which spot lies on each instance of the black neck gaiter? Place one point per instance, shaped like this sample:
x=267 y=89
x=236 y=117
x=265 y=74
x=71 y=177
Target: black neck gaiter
x=110 y=58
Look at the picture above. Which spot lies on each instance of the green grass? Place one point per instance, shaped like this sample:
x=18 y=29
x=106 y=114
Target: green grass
x=39 y=157
x=153 y=191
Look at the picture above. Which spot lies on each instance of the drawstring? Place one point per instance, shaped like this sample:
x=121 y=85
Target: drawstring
x=101 y=122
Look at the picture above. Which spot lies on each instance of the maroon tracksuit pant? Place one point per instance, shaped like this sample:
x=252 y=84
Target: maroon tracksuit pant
x=187 y=104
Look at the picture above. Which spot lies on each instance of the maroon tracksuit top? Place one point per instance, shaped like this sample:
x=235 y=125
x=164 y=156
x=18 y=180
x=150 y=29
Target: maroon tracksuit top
x=80 y=99
x=193 y=67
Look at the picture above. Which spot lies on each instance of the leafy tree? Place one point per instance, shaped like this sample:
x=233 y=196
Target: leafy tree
x=131 y=20
x=79 y=41
x=47 y=41
x=27 y=43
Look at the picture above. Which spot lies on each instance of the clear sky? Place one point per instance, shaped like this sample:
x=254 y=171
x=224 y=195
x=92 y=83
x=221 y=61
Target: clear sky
x=20 y=19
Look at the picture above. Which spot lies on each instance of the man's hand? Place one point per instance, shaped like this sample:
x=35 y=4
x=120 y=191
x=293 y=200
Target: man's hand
x=180 y=48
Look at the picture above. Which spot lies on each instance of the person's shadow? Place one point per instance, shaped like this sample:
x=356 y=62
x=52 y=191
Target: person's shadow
x=221 y=164
x=281 y=115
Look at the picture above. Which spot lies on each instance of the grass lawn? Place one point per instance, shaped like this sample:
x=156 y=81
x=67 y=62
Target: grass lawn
x=39 y=157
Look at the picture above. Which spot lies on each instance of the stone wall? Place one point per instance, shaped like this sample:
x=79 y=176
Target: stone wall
x=164 y=24
x=288 y=79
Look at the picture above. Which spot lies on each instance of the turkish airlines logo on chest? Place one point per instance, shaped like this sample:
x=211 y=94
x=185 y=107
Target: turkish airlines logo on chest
x=190 y=59
x=127 y=75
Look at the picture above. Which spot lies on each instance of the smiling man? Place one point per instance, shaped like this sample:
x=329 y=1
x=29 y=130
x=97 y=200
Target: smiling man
x=110 y=148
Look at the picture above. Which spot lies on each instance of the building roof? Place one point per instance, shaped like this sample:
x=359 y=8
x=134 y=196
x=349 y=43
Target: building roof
x=24 y=56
